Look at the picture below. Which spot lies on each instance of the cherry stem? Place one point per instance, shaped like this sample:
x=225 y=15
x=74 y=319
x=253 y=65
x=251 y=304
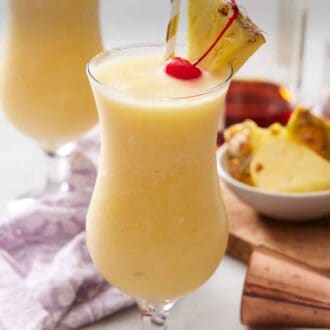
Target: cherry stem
x=229 y=23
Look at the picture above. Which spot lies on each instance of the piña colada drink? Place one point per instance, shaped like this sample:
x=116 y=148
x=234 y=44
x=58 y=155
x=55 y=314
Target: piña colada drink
x=156 y=226
x=43 y=88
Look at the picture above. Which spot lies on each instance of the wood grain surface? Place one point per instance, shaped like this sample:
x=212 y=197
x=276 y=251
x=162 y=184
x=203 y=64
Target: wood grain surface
x=308 y=242
x=281 y=292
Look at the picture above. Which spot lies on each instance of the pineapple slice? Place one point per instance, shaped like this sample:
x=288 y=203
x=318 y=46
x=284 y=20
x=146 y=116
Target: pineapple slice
x=283 y=165
x=314 y=132
x=207 y=18
x=242 y=141
x=278 y=158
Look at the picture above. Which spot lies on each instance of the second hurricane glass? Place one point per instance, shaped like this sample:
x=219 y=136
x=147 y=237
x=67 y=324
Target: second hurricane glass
x=43 y=87
x=156 y=225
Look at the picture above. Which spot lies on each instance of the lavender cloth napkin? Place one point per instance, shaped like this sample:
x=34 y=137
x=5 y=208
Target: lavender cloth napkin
x=47 y=279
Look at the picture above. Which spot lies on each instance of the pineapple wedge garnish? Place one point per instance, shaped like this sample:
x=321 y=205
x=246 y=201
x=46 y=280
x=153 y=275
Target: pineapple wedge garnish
x=207 y=19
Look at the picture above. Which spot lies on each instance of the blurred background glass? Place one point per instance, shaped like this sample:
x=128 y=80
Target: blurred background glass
x=325 y=89
x=44 y=91
x=312 y=68
x=265 y=89
x=288 y=69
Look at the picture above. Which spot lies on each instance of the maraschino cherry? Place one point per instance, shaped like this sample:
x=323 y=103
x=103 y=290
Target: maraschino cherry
x=180 y=68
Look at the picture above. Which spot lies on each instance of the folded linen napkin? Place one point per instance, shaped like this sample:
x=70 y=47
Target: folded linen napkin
x=47 y=279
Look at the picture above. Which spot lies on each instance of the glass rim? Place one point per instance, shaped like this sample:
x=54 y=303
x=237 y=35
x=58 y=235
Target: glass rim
x=111 y=51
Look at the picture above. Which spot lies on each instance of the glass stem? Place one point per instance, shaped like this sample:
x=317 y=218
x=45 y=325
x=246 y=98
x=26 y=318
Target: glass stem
x=153 y=321
x=57 y=172
x=154 y=316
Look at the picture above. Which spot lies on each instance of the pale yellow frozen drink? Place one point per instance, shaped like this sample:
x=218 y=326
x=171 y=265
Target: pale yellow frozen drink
x=156 y=226
x=43 y=87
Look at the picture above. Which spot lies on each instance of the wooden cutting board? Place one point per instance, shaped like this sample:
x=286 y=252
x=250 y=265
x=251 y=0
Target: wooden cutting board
x=308 y=242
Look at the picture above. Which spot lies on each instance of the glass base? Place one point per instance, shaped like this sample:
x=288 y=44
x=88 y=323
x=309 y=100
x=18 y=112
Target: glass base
x=154 y=315
x=29 y=198
x=58 y=170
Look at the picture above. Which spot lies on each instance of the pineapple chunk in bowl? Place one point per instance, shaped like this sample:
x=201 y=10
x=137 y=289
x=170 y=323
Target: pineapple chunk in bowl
x=282 y=206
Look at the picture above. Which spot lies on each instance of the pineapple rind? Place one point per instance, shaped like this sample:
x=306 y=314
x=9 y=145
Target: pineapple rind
x=302 y=120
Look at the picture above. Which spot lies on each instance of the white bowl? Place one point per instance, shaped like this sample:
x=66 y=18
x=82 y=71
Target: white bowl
x=282 y=206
